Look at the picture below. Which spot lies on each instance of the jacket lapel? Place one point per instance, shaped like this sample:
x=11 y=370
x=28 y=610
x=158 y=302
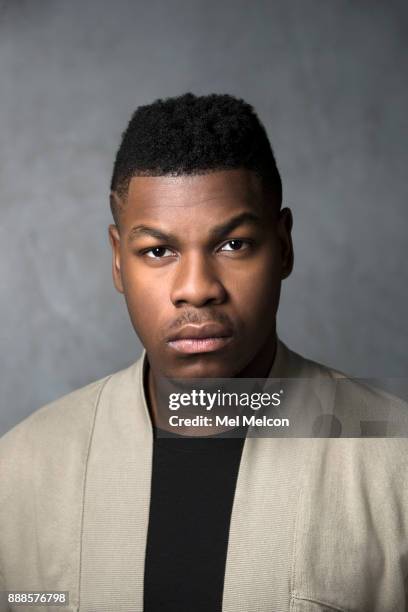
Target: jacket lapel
x=117 y=496
x=264 y=515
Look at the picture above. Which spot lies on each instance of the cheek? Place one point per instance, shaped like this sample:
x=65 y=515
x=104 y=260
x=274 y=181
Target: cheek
x=256 y=290
x=258 y=303
x=145 y=299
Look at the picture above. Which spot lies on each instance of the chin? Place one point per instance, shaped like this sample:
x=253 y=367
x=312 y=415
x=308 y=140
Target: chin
x=204 y=367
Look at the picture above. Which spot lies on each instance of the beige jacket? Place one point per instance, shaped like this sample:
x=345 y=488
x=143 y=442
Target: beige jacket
x=317 y=524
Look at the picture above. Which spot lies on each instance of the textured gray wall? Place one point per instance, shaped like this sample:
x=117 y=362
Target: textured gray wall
x=329 y=80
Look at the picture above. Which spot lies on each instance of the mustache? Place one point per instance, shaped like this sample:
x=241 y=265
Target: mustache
x=197 y=318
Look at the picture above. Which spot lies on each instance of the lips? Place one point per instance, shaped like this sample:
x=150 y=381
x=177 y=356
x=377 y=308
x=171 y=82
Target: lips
x=200 y=339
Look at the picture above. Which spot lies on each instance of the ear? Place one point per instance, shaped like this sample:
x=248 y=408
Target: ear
x=285 y=224
x=114 y=239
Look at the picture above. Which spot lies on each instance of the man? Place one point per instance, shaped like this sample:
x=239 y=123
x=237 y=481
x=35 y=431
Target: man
x=95 y=500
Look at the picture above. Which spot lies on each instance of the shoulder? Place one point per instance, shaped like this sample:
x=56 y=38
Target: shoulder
x=364 y=409
x=294 y=365
x=57 y=418
x=368 y=453
x=57 y=428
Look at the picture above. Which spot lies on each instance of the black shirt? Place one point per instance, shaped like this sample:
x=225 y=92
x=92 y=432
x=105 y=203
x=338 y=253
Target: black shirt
x=192 y=491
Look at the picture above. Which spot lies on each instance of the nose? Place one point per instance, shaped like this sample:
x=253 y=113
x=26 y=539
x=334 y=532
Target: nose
x=196 y=282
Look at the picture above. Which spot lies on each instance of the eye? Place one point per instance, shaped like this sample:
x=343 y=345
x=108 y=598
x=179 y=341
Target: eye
x=235 y=245
x=157 y=252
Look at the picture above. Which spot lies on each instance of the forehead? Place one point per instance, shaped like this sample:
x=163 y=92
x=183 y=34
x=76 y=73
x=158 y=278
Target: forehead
x=215 y=193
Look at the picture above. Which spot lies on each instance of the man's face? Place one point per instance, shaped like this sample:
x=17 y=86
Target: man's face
x=200 y=261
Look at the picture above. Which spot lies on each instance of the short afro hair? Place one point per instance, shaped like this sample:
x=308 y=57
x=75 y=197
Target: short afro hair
x=191 y=134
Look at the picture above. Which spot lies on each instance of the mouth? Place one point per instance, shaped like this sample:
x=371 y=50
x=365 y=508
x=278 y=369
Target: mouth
x=200 y=339
x=199 y=345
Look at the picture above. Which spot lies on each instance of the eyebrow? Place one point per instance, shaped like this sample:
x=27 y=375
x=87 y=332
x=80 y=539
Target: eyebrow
x=216 y=232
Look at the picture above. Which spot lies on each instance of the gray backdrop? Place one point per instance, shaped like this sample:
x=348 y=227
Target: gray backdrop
x=329 y=80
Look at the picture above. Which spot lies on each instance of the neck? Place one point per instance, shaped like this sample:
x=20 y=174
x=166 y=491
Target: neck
x=259 y=367
x=262 y=363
